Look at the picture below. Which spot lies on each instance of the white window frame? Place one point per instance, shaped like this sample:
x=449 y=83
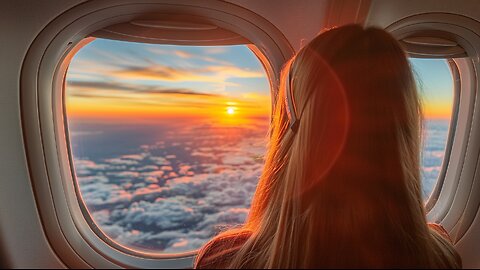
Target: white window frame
x=42 y=107
x=457 y=196
x=434 y=195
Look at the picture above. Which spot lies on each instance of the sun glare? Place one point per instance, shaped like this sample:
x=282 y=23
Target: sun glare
x=230 y=110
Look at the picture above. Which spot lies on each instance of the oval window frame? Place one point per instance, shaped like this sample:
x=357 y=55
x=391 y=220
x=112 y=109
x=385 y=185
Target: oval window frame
x=457 y=195
x=43 y=122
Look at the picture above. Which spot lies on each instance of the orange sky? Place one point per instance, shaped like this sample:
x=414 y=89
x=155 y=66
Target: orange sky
x=148 y=106
x=437 y=110
x=110 y=81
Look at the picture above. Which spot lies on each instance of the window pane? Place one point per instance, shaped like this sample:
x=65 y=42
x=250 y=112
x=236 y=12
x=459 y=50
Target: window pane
x=168 y=141
x=435 y=83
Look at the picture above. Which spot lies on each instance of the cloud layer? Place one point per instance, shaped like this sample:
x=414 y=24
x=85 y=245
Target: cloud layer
x=174 y=195
x=177 y=193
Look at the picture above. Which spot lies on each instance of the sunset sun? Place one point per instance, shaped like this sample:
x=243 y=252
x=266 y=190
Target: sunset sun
x=230 y=110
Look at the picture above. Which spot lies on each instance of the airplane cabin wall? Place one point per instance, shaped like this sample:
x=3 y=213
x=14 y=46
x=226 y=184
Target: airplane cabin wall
x=23 y=243
x=384 y=12
x=300 y=21
x=22 y=239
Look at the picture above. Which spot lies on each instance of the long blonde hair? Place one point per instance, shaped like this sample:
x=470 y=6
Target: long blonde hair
x=344 y=188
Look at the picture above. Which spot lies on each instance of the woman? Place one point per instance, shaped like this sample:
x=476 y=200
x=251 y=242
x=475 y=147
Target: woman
x=341 y=185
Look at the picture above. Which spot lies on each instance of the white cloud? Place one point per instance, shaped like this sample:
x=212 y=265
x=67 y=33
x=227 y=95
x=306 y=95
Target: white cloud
x=83 y=164
x=121 y=161
x=137 y=157
x=160 y=160
x=148 y=201
x=87 y=180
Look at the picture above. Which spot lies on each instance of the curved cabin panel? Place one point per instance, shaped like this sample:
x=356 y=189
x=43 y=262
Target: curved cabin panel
x=132 y=133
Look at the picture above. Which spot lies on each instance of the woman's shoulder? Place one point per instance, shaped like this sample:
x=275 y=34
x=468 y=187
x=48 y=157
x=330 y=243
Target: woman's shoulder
x=440 y=230
x=219 y=251
x=447 y=244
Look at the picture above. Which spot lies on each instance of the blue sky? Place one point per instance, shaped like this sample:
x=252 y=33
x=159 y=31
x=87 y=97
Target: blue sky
x=117 y=53
x=435 y=83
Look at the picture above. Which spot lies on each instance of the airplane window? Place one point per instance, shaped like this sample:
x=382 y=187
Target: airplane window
x=435 y=82
x=167 y=141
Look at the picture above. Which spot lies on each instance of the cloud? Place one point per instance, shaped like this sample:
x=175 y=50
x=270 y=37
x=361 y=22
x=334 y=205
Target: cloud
x=159 y=160
x=88 y=180
x=112 y=59
x=155 y=199
x=86 y=167
x=216 y=73
x=159 y=51
x=156 y=223
x=124 y=174
x=156 y=173
x=101 y=85
x=137 y=157
x=122 y=161
x=179 y=92
x=234 y=72
x=236 y=160
x=101 y=196
x=78 y=88
x=183 y=54
x=187 y=55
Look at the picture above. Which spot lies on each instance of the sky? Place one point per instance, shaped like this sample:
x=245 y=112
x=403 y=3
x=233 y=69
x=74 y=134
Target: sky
x=110 y=79
x=434 y=81
x=128 y=81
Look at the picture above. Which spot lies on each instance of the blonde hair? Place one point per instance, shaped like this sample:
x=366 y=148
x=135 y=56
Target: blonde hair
x=344 y=189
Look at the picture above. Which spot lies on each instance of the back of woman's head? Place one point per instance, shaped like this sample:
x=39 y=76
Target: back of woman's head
x=341 y=185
